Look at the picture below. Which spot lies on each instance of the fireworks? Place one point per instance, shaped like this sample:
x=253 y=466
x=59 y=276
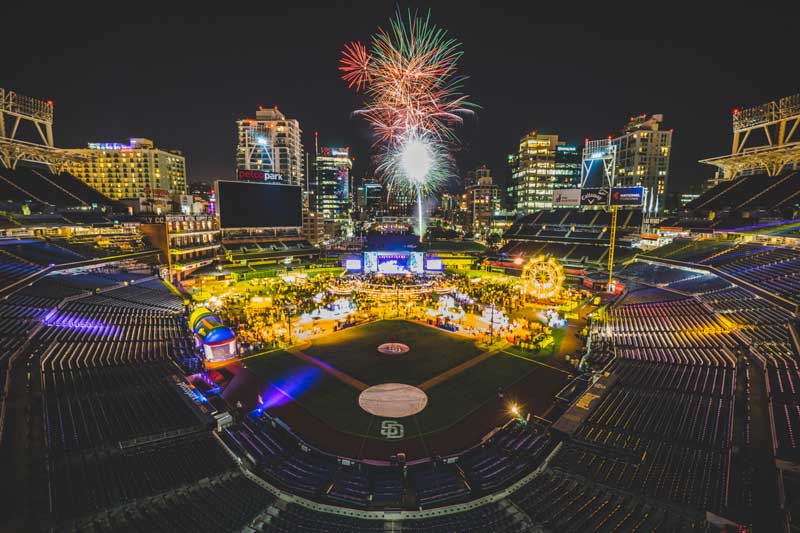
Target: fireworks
x=414 y=162
x=412 y=99
x=409 y=80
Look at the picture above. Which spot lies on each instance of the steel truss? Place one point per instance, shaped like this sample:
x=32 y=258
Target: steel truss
x=605 y=151
x=779 y=121
x=17 y=109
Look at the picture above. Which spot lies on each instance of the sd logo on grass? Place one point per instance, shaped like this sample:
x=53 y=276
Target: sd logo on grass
x=392 y=429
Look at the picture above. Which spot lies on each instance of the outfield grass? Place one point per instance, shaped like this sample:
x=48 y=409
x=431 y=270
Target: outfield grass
x=452 y=400
x=354 y=351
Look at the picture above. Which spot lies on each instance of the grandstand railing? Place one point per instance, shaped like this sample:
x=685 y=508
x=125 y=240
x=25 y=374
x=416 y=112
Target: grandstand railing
x=788 y=305
x=386 y=514
x=15 y=286
x=6 y=389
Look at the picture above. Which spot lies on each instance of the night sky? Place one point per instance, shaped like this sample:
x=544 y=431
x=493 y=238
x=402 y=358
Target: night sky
x=182 y=77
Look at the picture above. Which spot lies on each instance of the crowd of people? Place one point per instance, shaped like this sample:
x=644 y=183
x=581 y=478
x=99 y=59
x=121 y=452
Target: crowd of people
x=261 y=310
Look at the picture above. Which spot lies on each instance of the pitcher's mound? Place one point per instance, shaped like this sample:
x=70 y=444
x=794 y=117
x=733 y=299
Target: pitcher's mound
x=393 y=348
x=393 y=400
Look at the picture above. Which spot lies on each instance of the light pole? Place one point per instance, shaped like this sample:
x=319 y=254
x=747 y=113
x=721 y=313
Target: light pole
x=491 y=327
x=289 y=310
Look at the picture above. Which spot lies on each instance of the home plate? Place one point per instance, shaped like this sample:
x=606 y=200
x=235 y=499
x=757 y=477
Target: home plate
x=393 y=400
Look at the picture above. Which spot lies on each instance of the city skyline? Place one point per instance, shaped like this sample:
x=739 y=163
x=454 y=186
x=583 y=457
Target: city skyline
x=191 y=102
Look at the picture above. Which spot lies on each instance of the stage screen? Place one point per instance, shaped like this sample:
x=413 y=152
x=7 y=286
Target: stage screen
x=393 y=262
x=244 y=204
x=352 y=264
x=416 y=262
x=434 y=265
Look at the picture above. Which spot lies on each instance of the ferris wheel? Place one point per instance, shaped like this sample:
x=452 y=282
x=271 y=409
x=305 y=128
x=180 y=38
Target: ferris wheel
x=543 y=277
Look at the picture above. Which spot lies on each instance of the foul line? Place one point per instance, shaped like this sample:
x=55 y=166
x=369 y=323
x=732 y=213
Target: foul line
x=259 y=354
x=447 y=374
x=338 y=374
x=534 y=361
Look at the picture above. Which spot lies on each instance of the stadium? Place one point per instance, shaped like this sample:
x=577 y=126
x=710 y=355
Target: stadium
x=164 y=374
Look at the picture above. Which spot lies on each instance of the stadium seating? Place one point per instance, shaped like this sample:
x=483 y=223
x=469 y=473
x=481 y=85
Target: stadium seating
x=775 y=269
x=224 y=503
x=571 y=235
x=277 y=457
x=564 y=503
x=129 y=448
x=751 y=192
x=129 y=474
x=13 y=268
x=39 y=184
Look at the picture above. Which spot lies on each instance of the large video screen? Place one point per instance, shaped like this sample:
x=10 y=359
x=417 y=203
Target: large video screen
x=259 y=205
x=393 y=262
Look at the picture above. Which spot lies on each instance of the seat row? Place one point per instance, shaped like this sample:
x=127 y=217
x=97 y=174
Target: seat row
x=279 y=458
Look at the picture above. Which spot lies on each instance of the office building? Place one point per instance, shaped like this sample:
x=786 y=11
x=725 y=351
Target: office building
x=313 y=225
x=541 y=164
x=370 y=198
x=399 y=202
x=643 y=151
x=188 y=241
x=473 y=176
x=134 y=170
x=330 y=185
x=482 y=199
x=269 y=147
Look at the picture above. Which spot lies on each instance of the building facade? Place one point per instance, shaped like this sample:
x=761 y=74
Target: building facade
x=370 y=198
x=313 y=225
x=473 y=176
x=481 y=199
x=270 y=143
x=398 y=202
x=643 y=152
x=541 y=164
x=134 y=170
x=330 y=185
x=189 y=242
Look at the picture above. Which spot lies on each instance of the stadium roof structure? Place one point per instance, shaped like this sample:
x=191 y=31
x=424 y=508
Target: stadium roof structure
x=19 y=110
x=777 y=123
x=759 y=191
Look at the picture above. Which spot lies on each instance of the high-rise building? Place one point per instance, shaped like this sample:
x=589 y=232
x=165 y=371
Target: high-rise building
x=399 y=202
x=370 y=197
x=270 y=143
x=313 y=226
x=134 y=170
x=542 y=163
x=482 y=200
x=643 y=151
x=473 y=176
x=330 y=185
